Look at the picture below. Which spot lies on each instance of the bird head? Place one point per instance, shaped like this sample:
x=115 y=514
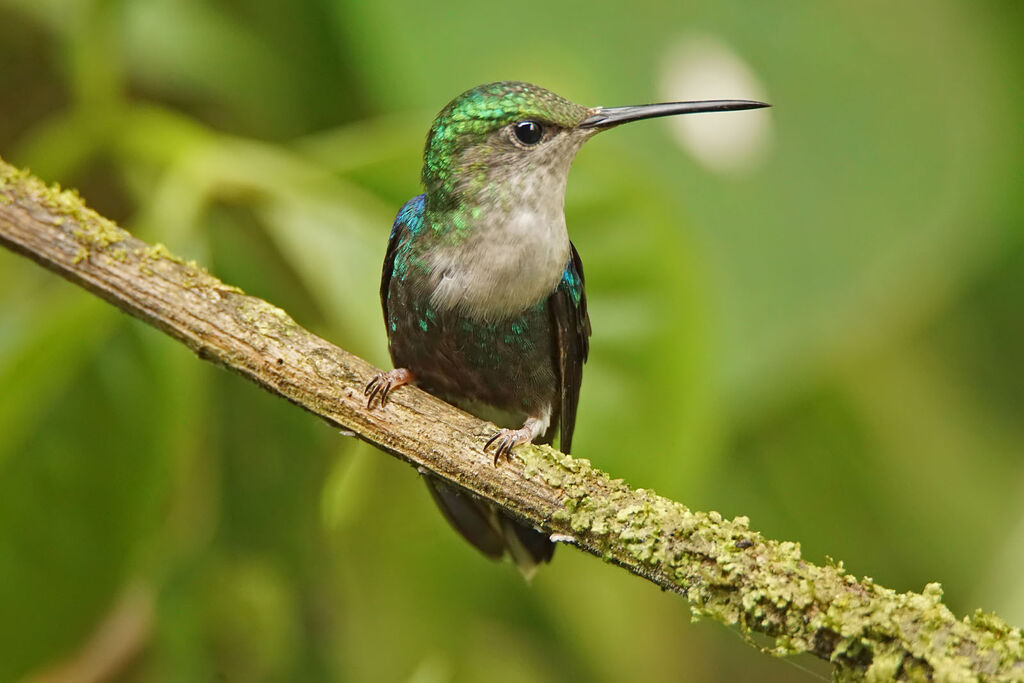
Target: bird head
x=509 y=141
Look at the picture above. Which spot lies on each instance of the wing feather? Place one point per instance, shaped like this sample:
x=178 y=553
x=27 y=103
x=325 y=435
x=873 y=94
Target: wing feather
x=408 y=221
x=572 y=326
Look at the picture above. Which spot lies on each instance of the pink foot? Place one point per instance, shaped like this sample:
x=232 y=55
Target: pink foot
x=382 y=384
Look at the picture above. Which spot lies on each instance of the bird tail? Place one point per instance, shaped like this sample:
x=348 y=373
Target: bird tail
x=491 y=532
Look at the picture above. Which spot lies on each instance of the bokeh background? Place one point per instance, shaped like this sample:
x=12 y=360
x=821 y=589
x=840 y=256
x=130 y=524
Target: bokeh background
x=812 y=315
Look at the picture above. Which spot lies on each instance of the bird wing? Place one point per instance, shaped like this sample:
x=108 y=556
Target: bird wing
x=568 y=305
x=408 y=221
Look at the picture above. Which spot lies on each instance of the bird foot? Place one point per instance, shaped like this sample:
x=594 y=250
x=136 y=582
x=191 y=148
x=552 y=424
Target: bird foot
x=506 y=439
x=383 y=383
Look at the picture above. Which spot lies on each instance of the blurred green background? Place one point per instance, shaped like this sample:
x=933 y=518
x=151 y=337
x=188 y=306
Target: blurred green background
x=817 y=323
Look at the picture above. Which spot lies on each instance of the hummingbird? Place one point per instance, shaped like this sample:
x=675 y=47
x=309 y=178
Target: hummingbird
x=482 y=290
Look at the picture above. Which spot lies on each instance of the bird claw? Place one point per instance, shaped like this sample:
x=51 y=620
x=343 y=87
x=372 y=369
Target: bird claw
x=506 y=440
x=383 y=383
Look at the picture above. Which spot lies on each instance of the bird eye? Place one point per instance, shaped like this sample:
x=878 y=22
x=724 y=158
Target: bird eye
x=528 y=132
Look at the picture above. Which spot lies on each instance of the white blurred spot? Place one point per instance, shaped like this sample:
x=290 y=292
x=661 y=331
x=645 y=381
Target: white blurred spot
x=704 y=67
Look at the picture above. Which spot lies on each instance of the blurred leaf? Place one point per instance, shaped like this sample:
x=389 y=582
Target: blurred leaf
x=646 y=387
x=346 y=488
x=40 y=355
x=74 y=516
x=250 y=620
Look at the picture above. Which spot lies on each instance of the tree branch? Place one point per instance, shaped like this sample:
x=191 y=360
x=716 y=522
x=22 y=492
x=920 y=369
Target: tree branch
x=726 y=571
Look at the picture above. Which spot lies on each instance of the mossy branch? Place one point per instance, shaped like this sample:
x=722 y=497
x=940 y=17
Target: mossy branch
x=726 y=571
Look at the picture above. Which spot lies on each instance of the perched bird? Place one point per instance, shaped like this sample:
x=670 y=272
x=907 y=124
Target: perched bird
x=482 y=290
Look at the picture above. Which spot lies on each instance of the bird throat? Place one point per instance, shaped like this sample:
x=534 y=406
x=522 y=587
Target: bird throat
x=509 y=253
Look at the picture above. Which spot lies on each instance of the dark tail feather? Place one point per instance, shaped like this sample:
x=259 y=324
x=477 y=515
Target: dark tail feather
x=528 y=547
x=491 y=532
x=469 y=517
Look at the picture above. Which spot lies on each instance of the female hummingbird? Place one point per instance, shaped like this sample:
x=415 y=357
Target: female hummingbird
x=482 y=290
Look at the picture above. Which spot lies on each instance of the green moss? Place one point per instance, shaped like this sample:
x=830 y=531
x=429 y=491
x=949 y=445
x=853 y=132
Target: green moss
x=92 y=231
x=267 y=319
x=96 y=234
x=11 y=176
x=192 y=275
x=158 y=252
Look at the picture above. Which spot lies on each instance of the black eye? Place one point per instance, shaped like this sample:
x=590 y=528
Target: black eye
x=528 y=132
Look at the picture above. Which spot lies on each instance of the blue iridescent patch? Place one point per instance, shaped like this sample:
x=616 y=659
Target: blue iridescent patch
x=572 y=283
x=411 y=215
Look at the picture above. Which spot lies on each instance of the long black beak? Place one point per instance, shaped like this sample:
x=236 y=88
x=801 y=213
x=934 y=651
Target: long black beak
x=606 y=117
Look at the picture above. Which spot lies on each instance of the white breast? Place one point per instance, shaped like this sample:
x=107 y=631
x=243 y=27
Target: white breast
x=511 y=260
